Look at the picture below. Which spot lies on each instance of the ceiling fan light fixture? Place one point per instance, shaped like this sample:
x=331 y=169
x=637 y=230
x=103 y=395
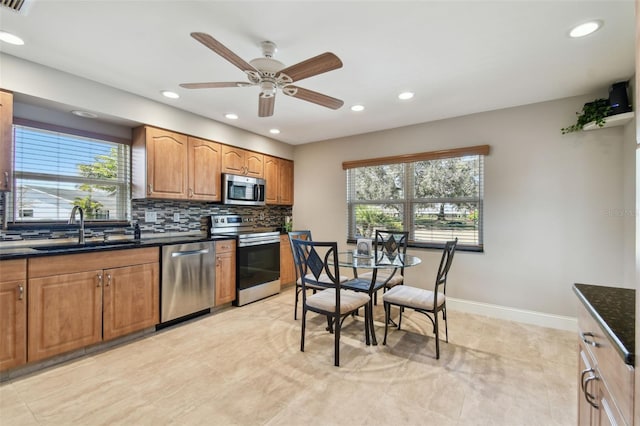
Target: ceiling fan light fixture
x=274 y=131
x=585 y=29
x=268 y=89
x=357 y=108
x=231 y=116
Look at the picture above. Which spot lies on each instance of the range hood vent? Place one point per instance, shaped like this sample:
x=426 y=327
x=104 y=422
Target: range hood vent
x=15 y=5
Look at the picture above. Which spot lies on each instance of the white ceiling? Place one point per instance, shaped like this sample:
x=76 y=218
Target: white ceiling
x=459 y=57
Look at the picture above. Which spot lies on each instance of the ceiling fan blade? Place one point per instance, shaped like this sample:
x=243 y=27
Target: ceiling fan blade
x=215 y=85
x=312 y=66
x=265 y=105
x=311 y=96
x=222 y=50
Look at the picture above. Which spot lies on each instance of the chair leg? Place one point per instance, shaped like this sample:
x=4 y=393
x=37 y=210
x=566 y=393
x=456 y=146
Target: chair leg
x=330 y=324
x=337 y=341
x=304 y=322
x=446 y=329
x=400 y=317
x=387 y=315
x=295 y=308
x=437 y=333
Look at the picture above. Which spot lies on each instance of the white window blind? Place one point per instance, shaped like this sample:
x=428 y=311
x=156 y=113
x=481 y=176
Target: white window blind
x=436 y=198
x=54 y=171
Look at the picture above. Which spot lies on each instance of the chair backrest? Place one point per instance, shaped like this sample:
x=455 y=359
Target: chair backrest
x=445 y=265
x=298 y=235
x=390 y=243
x=317 y=258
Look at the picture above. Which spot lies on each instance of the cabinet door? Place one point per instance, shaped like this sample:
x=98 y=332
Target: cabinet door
x=6 y=141
x=233 y=160
x=287 y=268
x=254 y=164
x=205 y=159
x=225 y=272
x=271 y=173
x=65 y=313
x=13 y=313
x=166 y=164
x=285 y=183
x=130 y=299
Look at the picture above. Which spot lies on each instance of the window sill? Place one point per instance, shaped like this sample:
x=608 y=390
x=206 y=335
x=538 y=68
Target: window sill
x=435 y=246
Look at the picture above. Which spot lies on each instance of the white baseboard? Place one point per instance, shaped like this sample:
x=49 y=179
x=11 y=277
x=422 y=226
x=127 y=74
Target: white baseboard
x=512 y=314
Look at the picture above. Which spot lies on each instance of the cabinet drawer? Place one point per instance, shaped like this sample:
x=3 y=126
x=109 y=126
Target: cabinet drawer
x=13 y=270
x=81 y=262
x=618 y=377
x=225 y=246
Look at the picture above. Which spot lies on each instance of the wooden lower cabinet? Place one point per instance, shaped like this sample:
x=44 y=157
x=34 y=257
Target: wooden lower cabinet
x=81 y=299
x=287 y=268
x=13 y=313
x=225 y=272
x=130 y=299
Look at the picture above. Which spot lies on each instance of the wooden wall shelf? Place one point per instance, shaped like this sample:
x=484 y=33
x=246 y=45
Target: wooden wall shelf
x=614 y=120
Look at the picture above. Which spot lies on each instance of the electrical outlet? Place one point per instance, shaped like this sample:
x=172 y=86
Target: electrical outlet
x=150 y=217
x=176 y=217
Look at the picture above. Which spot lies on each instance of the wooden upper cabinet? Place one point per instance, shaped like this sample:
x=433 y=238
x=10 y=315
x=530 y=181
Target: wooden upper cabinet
x=6 y=141
x=160 y=162
x=205 y=162
x=279 y=176
x=237 y=161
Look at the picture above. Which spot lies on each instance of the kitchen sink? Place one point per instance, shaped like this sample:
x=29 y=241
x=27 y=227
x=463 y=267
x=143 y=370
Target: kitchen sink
x=87 y=245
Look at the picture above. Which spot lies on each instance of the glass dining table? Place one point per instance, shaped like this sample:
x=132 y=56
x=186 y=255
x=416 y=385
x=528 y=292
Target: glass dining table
x=374 y=262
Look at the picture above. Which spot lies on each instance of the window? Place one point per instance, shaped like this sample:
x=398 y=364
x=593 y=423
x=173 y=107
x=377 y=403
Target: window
x=55 y=171
x=436 y=196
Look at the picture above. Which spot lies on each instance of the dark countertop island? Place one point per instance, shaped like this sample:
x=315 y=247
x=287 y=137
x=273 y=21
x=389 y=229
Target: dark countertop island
x=614 y=309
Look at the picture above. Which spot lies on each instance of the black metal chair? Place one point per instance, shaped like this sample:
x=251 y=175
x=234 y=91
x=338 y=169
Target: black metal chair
x=424 y=301
x=390 y=244
x=318 y=260
x=304 y=235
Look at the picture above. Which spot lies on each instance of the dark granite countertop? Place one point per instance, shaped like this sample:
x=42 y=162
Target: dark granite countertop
x=614 y=309
x=92 y=246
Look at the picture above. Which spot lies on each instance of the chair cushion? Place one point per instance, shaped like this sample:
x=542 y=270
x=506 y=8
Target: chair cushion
x=383 y=276
x=326 y=300
x=412 y=297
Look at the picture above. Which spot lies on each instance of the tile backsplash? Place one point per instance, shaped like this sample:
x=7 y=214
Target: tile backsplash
x=170 y=216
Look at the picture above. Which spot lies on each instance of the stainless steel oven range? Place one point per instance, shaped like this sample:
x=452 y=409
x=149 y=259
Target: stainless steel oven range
x=257 y=256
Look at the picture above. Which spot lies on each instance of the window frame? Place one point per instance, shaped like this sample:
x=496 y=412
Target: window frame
x=409 y=201
x=124 y=199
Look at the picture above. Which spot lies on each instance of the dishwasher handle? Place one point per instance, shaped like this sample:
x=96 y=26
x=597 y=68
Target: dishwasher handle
x=189 y=252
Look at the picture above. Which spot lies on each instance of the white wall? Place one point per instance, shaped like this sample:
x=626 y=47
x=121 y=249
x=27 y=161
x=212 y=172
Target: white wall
x=554 y=204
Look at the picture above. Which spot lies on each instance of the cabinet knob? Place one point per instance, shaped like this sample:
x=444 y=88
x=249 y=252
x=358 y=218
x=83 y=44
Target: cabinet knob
x=150 y=188
x=6 y=179
x=108 y=280
x=99 y=280
x=20 y=292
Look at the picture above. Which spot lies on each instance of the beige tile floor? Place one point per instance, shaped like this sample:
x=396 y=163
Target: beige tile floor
x=243 y=366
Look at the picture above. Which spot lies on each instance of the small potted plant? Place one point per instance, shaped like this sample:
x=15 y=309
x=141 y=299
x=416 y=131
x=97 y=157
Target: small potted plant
x=596 y=111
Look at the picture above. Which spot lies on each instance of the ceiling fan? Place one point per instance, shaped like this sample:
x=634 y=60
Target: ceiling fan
x=271 y=74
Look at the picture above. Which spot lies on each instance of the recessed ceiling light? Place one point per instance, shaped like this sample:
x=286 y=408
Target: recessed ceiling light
x=405 y=95
x=357 y=108
x=84 y=114
x=11 y=38
x=585 y=29
x=231 y=116
x=169 y=94
x=274 y=131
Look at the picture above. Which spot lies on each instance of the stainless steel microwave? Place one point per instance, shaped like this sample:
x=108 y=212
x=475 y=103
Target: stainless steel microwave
x=243 y=190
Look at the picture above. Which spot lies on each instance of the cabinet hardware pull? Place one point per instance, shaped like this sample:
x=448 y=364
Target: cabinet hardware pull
x=20 y=292
x=99 y=280
x=589 y=397
x=587 y=341
x=6 y=179
x=108 y=280
x=150 y=188
x=588 y=370
x=190 y=192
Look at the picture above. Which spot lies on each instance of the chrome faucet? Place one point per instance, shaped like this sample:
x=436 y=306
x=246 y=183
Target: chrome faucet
x=72 y=221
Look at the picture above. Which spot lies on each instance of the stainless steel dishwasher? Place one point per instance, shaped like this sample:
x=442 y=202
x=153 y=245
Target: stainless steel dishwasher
x=188 y=279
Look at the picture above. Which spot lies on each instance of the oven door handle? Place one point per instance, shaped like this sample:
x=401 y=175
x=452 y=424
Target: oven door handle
x=189 y=253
